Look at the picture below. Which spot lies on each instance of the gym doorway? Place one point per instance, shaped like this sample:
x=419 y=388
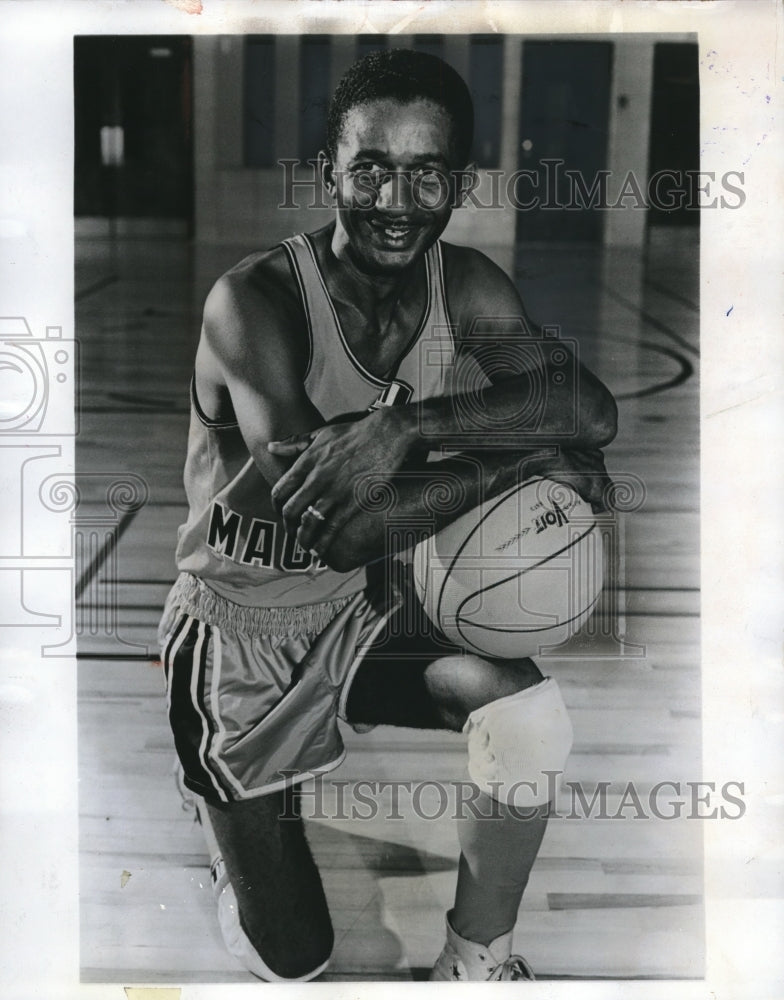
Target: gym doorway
x=133 y=135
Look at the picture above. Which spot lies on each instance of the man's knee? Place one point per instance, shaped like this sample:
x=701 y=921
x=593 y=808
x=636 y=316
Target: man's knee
x=518 y=745
x=299 y=958
x=461 y=684
x=274 y=957
x=271 y=905
x=519 y=733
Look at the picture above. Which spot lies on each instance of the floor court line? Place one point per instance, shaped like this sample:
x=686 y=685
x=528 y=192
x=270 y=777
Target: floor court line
x=89 y=573
x=651 y=320
x=680 y=299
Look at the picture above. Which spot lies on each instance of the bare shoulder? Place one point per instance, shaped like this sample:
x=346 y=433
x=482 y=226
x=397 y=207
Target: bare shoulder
x=254 y=310
x=476 y=286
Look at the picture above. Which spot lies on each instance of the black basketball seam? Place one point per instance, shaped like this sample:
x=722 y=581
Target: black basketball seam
x=520 y=573
x=497 y=503
x=425 y=581
x=524 y=631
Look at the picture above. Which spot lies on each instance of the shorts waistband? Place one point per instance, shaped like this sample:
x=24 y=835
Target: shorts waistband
x=195 y=598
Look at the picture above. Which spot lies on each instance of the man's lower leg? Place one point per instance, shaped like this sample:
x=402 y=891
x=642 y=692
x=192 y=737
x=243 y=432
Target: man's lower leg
x=272 y=891
x=516 y=745
x=498 y=850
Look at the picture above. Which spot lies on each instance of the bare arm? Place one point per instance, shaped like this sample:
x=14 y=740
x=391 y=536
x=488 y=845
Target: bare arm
x=249 y=354
x=540 y=393
x=517 y=433
x=442 y=491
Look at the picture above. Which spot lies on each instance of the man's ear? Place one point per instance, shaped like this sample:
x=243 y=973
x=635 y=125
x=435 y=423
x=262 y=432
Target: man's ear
x=327 y=173
x=467 y=180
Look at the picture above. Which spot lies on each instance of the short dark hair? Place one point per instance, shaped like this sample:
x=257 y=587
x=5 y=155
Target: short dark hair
x=404 y=75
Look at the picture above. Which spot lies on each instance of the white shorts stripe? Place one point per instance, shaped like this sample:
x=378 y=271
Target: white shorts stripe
x=171 y=652
x=220 y=729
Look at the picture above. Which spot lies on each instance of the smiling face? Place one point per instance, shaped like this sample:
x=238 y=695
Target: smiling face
x=391 y=182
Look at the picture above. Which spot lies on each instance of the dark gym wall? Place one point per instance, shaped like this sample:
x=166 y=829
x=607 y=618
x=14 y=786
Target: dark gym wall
x=143 y=85
x=675 y=123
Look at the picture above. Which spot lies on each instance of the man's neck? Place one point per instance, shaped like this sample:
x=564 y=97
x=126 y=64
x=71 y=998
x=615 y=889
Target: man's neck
x=374 y=288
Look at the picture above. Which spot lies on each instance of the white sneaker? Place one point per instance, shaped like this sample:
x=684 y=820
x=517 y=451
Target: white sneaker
x=466 y=961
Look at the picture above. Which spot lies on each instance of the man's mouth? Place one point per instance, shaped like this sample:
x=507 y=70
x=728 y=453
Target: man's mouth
x=395 y=234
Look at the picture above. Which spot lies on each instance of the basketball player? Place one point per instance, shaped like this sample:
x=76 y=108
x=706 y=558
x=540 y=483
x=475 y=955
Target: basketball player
x=314 y=380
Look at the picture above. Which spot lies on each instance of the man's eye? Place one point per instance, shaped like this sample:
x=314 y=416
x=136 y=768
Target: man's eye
x=367 y=170
x=430 y=187
x=428 y=178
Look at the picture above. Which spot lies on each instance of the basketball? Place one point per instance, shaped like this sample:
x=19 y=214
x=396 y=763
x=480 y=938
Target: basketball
x=519 y=573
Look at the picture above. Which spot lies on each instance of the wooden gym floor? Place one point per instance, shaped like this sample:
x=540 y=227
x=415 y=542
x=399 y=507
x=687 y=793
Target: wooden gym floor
x=608 y=897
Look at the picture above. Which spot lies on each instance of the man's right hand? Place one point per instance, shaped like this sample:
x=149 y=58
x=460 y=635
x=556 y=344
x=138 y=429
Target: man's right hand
x=328 y=464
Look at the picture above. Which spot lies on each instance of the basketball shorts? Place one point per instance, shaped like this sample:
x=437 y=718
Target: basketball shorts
x=254 y=694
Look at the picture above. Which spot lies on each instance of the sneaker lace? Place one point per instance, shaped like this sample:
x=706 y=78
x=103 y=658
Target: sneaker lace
x=513 y=969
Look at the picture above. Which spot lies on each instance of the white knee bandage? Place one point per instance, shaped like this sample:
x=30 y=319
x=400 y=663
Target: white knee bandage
x=518 y=745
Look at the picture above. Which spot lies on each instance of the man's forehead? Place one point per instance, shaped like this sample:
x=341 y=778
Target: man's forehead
x=418 y=126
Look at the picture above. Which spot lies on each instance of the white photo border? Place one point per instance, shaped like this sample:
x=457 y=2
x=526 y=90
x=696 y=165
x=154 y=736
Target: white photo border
x=742 y=300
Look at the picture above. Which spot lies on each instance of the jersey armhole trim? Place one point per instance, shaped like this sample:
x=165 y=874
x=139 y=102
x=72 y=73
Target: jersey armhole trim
x=376 y=382
x=423 y=322
x=444 y=301
x=294 y=267
x=207 y=421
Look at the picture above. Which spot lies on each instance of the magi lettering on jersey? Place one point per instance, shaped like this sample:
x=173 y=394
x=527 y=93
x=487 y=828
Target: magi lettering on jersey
x=227 y=529
x=294 y=558
x=260 y=547
x=224 y=530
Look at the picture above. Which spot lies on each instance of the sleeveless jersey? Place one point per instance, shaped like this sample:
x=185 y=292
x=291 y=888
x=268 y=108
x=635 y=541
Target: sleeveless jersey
x=233 y=539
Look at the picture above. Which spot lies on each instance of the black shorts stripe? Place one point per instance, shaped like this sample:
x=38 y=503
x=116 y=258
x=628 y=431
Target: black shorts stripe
x=187 y=722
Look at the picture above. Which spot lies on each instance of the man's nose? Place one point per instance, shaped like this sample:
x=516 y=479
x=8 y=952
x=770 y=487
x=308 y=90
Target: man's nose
x=395 y=193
